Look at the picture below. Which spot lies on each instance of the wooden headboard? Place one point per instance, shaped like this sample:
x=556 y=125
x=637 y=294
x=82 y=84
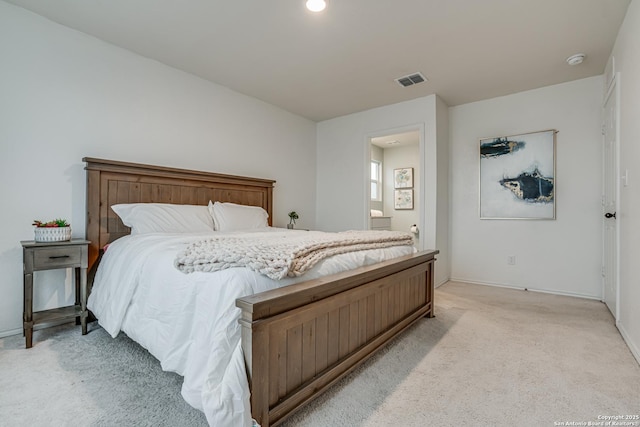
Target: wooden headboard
x=111 y=182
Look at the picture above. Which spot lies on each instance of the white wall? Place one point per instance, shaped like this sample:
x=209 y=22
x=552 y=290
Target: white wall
x=627 y=59
x=562 y=255
x=65 y=95
x=443 y=229
x=342 y=158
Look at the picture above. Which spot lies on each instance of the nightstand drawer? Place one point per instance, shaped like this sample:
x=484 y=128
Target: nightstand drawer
x=57 y=257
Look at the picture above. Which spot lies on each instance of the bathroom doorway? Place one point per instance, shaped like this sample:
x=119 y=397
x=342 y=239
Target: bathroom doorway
x=395 y=189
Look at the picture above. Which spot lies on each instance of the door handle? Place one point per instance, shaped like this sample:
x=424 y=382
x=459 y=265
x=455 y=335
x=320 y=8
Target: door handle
x=610 y=215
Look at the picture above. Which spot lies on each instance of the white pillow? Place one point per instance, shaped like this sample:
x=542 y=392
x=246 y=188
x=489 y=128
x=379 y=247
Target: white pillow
x=164 y=218
x=231 y=217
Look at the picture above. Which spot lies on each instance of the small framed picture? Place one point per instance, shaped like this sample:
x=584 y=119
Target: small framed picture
x=403 y=199
x=403 y=178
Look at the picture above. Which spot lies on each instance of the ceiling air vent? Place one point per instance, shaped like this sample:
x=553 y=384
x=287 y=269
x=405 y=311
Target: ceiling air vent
x=412 y=79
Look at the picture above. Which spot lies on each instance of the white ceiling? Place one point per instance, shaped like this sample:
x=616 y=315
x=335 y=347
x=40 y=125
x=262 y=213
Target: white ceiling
x=346 y=58
x=396 y=140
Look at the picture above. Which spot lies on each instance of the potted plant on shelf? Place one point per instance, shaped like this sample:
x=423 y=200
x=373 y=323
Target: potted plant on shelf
x=57 y=230
x=293 y=215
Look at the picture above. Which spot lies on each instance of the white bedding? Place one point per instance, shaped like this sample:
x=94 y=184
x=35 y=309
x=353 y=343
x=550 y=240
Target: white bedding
x=189 y=321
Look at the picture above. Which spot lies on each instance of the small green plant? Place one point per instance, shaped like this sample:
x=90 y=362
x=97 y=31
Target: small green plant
x=293 y=215
x=50 y=224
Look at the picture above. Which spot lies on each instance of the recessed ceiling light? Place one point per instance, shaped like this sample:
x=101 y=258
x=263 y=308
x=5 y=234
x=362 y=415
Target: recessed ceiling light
x=316 y=5
x=576 y=59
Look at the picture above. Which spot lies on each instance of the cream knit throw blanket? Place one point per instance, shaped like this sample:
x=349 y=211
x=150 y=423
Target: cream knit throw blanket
x=281 y=254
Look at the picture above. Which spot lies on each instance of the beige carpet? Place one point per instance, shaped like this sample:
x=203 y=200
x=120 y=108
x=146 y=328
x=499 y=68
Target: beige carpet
x=491 y=357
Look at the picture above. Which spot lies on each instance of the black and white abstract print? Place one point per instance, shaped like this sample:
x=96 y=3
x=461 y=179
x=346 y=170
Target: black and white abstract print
x=517 y=176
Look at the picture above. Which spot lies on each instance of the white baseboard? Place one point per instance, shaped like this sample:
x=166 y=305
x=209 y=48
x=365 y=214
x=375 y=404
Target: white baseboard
x=545 y=291
x=442 y=282
x=11 y=332
x=627 y=339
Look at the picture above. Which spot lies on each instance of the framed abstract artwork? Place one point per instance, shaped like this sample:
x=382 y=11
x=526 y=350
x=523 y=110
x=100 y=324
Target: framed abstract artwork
x=403 y=199
x=518 y=176
x=403 y=178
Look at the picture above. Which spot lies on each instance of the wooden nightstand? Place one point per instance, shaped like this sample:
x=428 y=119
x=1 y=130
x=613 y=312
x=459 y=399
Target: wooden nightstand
x=48 y=256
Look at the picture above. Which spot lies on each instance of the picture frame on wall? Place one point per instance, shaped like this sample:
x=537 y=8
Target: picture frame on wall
x=403 y=199
x=518 y=176
x=403 y=178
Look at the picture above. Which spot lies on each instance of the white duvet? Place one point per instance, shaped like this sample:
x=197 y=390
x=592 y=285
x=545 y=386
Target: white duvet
x=189 y=322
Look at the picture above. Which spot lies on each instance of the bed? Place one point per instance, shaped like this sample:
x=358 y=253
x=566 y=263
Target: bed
x=295 y=341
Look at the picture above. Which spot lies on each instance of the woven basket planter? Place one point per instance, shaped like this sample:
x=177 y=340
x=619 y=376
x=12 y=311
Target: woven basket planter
x=52 y=234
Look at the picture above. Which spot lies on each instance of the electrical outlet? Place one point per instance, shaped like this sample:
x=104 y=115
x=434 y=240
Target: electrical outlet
x=511 y=260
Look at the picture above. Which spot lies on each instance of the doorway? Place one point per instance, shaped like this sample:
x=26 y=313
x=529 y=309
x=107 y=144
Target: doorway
x=395 y=188
x=610 y=265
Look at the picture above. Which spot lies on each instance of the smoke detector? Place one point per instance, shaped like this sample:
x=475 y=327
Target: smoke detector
x=411 y=79
x=576 y=59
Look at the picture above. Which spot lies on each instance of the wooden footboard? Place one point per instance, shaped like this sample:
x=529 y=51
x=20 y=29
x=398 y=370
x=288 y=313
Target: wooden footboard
x=300 y=339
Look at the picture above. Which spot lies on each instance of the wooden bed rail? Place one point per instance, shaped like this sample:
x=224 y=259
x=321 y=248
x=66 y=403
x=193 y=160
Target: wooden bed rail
x=300 y=339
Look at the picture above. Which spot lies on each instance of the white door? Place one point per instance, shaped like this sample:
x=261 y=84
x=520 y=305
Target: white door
x=609 y=199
